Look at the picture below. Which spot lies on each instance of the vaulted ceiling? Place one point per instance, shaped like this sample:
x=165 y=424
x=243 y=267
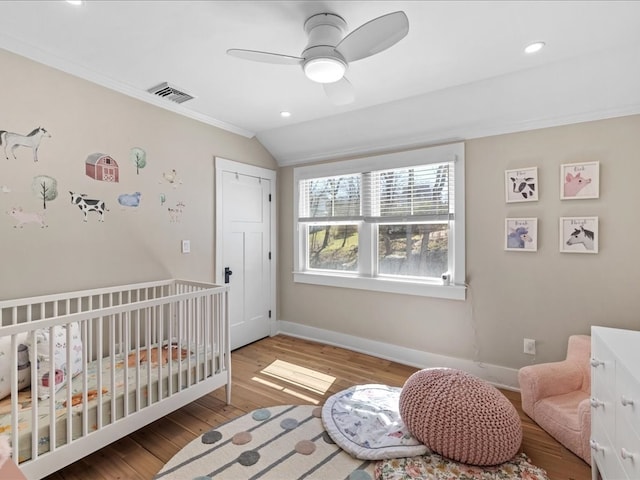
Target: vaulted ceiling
x=460 y=73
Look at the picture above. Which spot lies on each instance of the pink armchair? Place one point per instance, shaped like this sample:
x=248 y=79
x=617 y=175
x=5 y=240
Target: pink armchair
x=556 y=396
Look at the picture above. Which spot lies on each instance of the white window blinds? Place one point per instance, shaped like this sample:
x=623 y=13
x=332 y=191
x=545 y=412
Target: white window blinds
x=420 y=193
x=330 y=198
x=410 y=194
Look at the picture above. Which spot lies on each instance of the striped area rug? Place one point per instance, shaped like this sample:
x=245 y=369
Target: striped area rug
x=280 y=443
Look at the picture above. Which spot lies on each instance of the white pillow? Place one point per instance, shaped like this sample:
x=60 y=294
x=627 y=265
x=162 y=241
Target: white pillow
x=62 y=370
x=24 y=369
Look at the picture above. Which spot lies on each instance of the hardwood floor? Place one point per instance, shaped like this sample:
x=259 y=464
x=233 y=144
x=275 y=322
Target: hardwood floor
x=276 y=371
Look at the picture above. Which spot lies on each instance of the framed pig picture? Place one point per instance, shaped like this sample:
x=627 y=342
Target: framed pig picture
x=579 y=180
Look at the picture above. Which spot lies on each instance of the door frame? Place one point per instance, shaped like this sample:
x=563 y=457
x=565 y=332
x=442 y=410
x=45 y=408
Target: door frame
x=225 y=165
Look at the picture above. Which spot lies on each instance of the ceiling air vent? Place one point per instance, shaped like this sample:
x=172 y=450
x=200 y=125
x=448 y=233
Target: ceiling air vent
x=165 y=90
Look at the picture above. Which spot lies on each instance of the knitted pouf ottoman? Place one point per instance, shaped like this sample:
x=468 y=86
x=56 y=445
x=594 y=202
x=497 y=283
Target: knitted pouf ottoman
x=460 y=416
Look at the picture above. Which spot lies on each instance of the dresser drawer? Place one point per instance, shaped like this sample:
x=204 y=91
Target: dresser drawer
x=603 y=410
x=603 y=454
x=628 y=449
x=628 y=400
x=603 y=367
x=615 y=403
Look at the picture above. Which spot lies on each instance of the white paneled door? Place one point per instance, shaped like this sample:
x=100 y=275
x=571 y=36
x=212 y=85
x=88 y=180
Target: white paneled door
x=244 y=254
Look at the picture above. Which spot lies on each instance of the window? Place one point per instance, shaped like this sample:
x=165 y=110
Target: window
x=392 y=222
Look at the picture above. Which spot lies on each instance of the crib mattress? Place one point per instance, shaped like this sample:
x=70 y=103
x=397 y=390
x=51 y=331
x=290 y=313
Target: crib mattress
x=142 y=387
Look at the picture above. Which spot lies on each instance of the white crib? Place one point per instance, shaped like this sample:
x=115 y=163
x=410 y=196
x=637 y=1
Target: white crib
x=142 y=351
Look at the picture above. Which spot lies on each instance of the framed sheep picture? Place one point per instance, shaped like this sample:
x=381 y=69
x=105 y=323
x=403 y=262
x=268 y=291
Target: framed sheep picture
x=521 y=234
x=521 y=185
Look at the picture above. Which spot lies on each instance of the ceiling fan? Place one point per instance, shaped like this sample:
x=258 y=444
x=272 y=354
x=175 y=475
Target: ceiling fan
x=327 y=55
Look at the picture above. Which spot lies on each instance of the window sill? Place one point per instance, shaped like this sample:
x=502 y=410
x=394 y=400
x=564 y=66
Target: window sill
x=424 y=289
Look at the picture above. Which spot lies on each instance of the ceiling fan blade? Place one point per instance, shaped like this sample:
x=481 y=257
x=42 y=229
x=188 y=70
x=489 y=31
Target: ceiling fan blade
x=265 y=57
x=374 y=36
x=340 y=92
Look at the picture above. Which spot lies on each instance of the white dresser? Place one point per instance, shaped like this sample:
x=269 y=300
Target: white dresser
x=615 y=404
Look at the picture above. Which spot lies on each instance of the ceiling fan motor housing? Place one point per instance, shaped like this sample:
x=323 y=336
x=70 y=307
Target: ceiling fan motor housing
x=325 y=31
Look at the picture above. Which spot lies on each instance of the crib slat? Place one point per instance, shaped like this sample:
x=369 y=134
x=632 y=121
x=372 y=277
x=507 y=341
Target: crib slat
x=127 y=337
x=14 y=392
x=68 y=390
x=170 y=336
x=121 y=348
x=188 y=338
x=112 y=376
x=138 y=346
x=52 y=392
x=181 y=335
x=148 y=341
x=84 y=332
x=99 y=358
x=35 y=424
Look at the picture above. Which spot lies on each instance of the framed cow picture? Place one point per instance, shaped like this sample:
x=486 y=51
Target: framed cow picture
x=521 y=185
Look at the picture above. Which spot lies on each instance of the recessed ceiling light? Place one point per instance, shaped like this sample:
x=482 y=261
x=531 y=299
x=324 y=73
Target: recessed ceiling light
x=75 y=2
x=534 y=47
x=285 y=114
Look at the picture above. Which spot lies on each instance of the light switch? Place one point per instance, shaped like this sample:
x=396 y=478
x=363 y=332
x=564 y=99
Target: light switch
x=186 y=246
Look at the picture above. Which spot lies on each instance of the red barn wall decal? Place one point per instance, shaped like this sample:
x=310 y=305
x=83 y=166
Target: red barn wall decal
x=100 y=166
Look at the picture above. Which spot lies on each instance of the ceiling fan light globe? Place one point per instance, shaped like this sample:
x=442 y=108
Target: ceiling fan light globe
x=324 y=70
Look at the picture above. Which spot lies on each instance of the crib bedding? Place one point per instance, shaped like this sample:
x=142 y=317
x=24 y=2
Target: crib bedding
x=137 y=385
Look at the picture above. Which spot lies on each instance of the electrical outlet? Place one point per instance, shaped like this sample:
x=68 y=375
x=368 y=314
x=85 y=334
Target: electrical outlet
x=529 y=346
x=186 y=246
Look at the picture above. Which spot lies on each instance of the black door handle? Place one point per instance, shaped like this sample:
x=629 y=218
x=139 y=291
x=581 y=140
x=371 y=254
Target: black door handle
x=227 y=274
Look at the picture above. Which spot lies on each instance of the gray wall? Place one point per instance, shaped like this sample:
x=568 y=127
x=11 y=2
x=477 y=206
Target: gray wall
x=544 y=295
x=133 y=244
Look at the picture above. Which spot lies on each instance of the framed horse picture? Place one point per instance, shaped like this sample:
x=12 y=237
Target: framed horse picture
x=521 y=185
x=521 y=234
x=579 y=234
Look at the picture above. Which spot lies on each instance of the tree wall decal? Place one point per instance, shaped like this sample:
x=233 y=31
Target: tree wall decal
x=45 y=188
x=139 y=158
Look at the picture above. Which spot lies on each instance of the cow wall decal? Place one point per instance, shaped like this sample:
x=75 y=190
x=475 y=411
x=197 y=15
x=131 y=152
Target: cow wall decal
x=87 y=205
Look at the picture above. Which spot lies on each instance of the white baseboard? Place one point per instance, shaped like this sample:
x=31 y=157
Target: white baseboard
x=501 y=377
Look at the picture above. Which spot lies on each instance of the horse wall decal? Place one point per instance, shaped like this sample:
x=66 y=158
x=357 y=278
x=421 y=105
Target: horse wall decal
x=14 y=140
x=582 y=236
